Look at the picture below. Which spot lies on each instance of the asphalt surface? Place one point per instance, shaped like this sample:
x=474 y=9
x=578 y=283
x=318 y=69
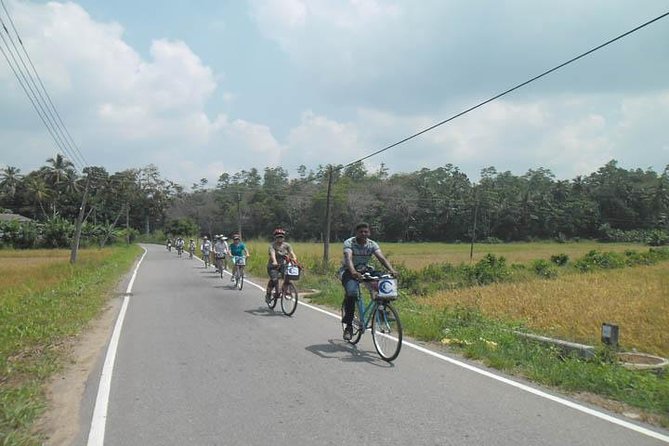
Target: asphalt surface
x=200 y=363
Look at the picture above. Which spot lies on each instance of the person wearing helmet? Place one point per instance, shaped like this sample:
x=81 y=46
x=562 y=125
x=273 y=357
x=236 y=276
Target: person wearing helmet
x=280 y=253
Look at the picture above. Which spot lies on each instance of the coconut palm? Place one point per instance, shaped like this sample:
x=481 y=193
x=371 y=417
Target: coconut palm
x=39 y=191
x=10 y=178
x=59 y=170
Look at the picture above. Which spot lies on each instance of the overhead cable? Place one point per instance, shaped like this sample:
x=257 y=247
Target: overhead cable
x=497 y=96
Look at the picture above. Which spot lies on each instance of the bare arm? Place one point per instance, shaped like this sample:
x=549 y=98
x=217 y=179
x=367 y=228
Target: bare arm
x=379 y=255
x=348 y=260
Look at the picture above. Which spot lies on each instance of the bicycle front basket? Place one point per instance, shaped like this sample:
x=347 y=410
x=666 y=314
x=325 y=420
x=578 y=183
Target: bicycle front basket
x=239 y=260
x=292 y=272
x=387 y=288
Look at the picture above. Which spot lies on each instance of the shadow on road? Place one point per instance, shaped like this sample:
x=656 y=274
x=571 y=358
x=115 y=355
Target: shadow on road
x=345 y=352
x=264 y=311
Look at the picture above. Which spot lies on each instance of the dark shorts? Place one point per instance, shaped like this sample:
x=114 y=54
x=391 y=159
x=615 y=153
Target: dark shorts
x=276 y=273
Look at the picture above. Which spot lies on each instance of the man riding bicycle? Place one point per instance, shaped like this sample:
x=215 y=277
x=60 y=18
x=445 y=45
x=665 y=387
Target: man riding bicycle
x=280 y=253
x=237 y=249
x=358 y=251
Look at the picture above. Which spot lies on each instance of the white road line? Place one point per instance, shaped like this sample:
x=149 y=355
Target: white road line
x=96 y=435
x=524 y=387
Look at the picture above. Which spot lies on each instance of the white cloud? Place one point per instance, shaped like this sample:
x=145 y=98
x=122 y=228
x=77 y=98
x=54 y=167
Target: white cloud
x=122 y=109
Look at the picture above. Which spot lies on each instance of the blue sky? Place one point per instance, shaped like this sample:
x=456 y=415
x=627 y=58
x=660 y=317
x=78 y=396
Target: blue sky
x=199 y=88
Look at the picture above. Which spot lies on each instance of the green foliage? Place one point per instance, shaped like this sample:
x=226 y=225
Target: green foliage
x=544 y=269
x=181 y=226
x=652 y=237
x=18 y=235
x=560 y=259
x=595 y=260
x=488 y=270
x=57 y=233
x=658 y=237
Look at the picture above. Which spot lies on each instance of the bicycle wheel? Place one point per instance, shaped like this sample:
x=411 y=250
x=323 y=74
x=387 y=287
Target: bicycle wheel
x=273 y=295
x=289 y=300
x=240 y=277
x=386 y=331
x=357 y=325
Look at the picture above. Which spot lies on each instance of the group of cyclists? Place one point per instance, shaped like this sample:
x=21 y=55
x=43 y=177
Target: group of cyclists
x=357 y=253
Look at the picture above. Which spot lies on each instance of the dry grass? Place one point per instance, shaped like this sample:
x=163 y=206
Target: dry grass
x=38 y=270
x=418 y=255
x=574 y=306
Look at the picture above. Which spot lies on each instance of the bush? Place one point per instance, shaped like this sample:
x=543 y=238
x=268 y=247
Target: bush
x=560 y=259
x=544 y=268
x=19 y=235
x=488 y=270
x=658 y=237
x=595 y=260
x=57 y=233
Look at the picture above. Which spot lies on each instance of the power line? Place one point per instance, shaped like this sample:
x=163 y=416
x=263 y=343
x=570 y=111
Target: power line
x=504 y=92
x=49 y=115
x=77 y=151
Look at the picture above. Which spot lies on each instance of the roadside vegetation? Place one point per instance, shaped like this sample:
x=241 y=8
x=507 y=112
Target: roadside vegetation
x=474 y=308
x=45 y=302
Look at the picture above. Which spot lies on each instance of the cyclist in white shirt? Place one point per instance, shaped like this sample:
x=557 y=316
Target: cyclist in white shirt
x=206 y=250
x=221 y=251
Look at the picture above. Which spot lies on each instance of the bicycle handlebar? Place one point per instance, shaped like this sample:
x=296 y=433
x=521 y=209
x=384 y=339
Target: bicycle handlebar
x=367 y=277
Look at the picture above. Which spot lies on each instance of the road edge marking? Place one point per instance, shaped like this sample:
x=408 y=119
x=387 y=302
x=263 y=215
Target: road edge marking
x=96 y=436
x=518 y=385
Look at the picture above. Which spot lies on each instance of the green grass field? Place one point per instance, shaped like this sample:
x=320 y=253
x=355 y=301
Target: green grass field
x=44 y=304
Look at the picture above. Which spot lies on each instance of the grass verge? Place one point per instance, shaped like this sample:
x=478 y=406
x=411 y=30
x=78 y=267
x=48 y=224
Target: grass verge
x=478 y=321
x=44 y=303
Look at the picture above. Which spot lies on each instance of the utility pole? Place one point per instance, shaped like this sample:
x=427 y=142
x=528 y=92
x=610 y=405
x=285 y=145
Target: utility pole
x=239 y=213
x=80 y=222
x=127 y=224
x=326 y=237
x=476 y=209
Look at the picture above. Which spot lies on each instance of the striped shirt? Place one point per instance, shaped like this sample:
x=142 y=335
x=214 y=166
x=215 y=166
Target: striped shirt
x=361 y=253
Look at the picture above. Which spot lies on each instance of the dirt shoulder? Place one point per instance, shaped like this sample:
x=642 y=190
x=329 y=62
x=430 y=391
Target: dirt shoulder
x=60 y=423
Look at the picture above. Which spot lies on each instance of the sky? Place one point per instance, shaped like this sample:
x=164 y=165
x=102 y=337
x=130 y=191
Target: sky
x=198 y=88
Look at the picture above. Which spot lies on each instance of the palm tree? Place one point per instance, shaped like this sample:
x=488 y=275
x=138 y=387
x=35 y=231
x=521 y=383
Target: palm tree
x=57 y=174
x=10 y=178
x=59 y=170
x=39 y=191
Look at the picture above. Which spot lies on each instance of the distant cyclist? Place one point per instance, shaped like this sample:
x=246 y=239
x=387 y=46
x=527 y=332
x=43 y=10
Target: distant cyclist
x=191 y=248
x=206 y=250
x=221 y=250
x=168 y=244
x=280 y=252
x=237 y=249
x=358 y=251
x=180 y=245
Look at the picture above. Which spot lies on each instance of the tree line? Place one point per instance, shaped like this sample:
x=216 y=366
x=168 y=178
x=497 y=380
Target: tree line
x=440 y=204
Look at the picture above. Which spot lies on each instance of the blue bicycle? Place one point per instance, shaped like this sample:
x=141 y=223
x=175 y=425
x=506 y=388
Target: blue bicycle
x=378 y=315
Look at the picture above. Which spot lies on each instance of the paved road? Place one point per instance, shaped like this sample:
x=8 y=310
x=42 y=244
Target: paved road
x=200 y=363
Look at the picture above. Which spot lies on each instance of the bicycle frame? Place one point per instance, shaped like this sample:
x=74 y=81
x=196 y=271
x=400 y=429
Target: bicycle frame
x=367 y=311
